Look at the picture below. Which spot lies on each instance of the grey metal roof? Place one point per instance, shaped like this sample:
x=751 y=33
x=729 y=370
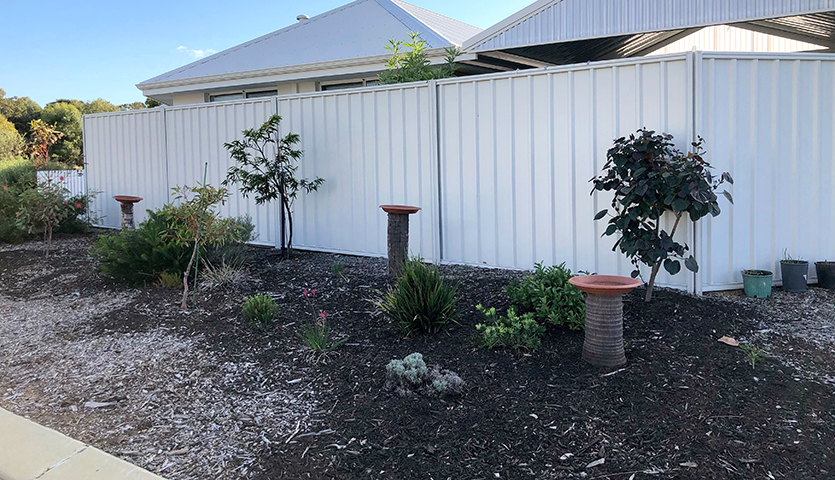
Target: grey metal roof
x=564 y=31
x=359 y=29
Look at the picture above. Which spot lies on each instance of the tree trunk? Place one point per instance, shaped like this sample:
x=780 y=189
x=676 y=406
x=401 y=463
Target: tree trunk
x=651 y=283
x=657 y=265
x=184 y=303
x=289 y=229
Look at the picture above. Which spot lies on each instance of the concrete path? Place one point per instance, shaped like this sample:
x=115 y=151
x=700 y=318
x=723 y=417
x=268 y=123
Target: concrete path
x=29 y=451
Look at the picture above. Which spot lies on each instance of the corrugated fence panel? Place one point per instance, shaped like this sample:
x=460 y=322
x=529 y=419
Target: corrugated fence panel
x=518 y=151
x=125 y=155
x=196 y=134
x=372 y=147
x=770 y=122
x=73 y=180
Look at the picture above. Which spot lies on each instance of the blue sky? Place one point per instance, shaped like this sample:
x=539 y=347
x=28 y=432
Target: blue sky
x=90 y=49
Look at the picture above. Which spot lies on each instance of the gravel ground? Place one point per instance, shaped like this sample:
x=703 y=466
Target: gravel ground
x=161 y=398
x=796 y=328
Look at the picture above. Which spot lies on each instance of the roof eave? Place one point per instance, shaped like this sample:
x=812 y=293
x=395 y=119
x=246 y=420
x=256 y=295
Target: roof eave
x=293 y=72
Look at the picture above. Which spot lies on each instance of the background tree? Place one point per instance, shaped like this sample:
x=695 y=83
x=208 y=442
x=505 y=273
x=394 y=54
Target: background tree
x=151 y=103
x=650 y=177
x=11 y=142
x=409 y=63
x=20 y=111
x=270 y=178
x=132 y=106
x=66 y=118
x=98 y=105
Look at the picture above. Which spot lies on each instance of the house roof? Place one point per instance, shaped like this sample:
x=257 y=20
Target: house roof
x=356 y=30
x=569 y=31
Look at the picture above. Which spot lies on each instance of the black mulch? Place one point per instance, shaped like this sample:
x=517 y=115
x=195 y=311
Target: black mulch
x=685 y=405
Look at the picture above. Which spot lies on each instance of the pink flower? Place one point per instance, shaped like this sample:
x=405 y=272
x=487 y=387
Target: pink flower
x=66 y=202
x=304 y=292
x=61 y=178
x=77 y=204
x=5 y=187
x=313 y=292
x=323 y=314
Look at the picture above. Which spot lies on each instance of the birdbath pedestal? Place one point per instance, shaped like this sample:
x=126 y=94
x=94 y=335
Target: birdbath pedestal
x=127 y=202
x=398 y=235
x=603 y=344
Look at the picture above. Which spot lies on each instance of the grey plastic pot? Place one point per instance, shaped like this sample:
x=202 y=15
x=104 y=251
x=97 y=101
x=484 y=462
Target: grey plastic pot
x=794 y=275
x=826 y=274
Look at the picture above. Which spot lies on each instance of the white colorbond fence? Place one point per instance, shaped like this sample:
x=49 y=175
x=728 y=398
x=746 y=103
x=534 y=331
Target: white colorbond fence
x=500 y=164
x=73 y=180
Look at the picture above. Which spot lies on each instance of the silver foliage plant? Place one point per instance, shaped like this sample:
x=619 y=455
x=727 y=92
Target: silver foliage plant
x=411 y=375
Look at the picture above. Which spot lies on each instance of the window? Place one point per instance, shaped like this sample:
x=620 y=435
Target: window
x=265 y=93
x=226 y=96
x=350 y=84
x=222 y=97
x=342 y=86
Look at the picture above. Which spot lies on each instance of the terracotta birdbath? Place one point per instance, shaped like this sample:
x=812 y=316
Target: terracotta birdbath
x=127 y=202
x=603 y=345
x=398 y=235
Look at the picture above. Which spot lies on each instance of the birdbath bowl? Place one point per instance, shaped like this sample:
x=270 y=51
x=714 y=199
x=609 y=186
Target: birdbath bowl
x=398 y=235
x=603 y=344
x=127 y=202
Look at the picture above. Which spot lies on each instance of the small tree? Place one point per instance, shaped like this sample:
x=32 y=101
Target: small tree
x=650 y=177
x=202 y=226
x=270 y=177
x=42 y=209
x=413 y=65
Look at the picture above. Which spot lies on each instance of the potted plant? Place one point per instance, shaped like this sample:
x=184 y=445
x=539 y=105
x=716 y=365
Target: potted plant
x=794 y=272
x=757 y=283
x=826 y=274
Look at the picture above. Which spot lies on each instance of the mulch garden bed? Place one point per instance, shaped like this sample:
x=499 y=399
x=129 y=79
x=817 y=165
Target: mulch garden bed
x=203 y=394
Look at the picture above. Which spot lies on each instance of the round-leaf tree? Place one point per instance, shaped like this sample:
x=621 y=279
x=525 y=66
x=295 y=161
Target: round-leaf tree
x=649 y=178
x=270 y=177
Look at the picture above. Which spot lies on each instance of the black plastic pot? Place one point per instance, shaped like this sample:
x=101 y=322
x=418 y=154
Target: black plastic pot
x=826 y=274
x=794 y=275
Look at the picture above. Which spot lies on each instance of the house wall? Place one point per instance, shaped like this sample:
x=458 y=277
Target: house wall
x=725 y=38
x=500 y=163
x=188 y=98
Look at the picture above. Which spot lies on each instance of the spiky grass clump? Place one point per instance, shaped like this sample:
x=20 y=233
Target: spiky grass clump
x=260 y=308
x=421 y=301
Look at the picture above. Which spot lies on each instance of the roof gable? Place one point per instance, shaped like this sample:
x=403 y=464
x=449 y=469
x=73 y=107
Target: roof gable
x=358 y=29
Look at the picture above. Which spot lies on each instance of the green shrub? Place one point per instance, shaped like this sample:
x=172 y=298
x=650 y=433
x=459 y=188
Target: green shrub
x=421 y=300
x=170 y=280
x=17 y=173
x=412 y=375
x=259 y=308
x=234 y=252
x=140 y=256
x=548 y=295
x=510 y=331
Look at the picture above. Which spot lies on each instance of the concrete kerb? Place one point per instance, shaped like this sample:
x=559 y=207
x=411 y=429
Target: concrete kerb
x=29 y=451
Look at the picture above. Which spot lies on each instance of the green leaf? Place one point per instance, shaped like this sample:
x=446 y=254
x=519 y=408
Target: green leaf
x=680 y=204
x=610 y=230
x=728 y=196
x=672 y=266
x=691 y=264
x=603 y=213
